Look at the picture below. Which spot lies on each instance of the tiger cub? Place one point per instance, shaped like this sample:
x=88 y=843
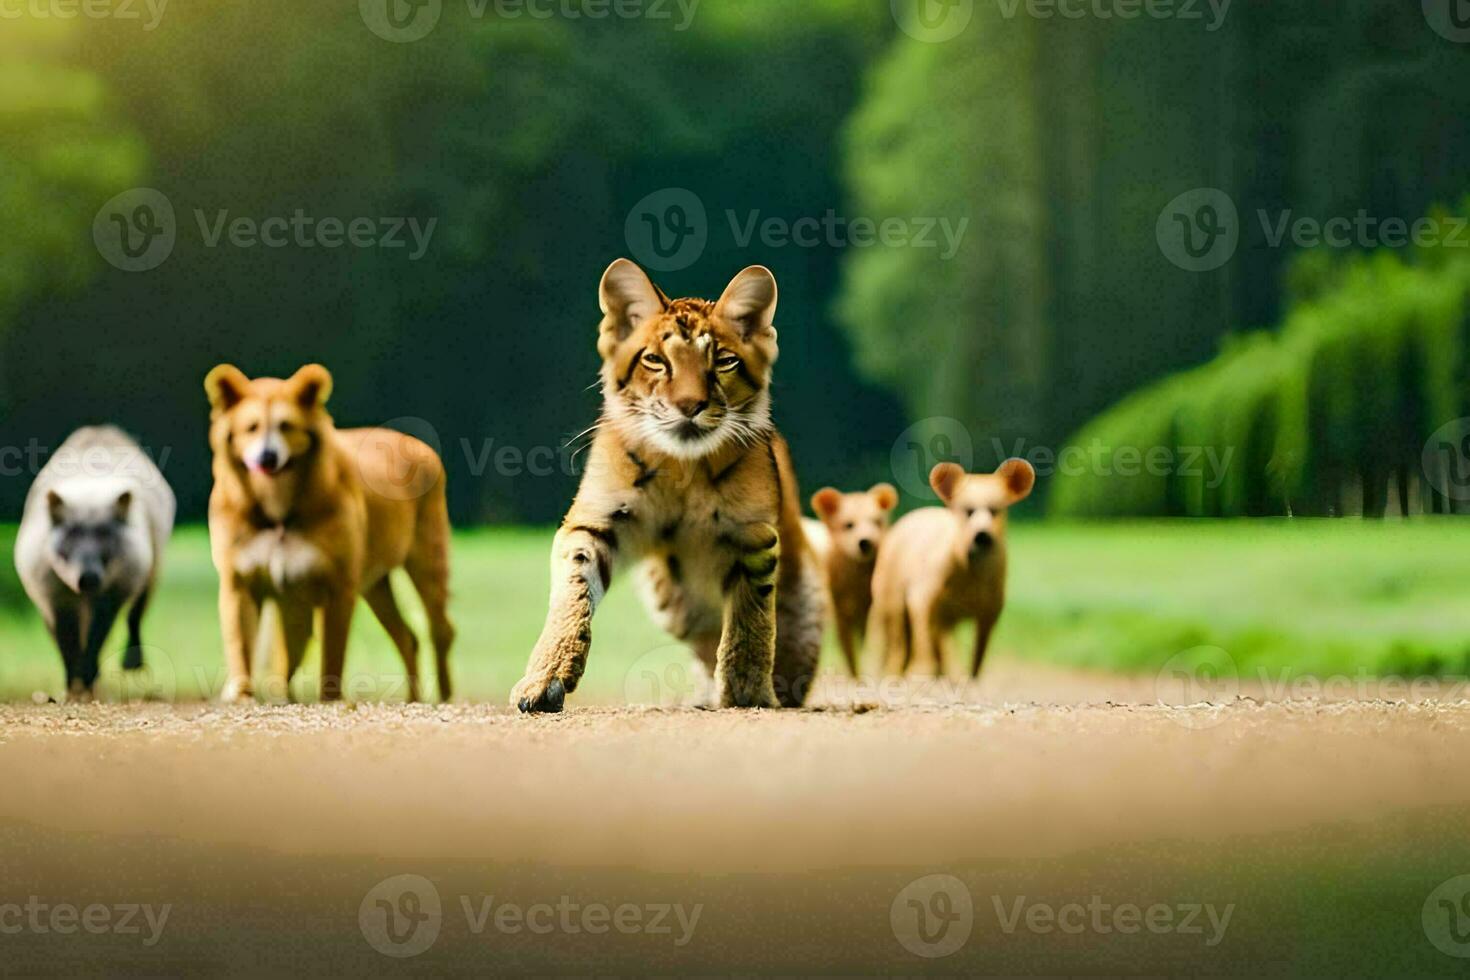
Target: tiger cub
x=688 y=479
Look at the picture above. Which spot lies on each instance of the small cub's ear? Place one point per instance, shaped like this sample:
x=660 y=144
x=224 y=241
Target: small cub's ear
x=884 y=495
x=628 y=298
x=1018 y=476
x=311 y=386
x=225 y=386
x=945 y=479
x=825 y=502
x=55 y=506
x=749 y=301
x=121 y=506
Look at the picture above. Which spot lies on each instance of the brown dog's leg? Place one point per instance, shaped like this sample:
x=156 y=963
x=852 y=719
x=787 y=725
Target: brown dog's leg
x=336 y=622
x=581 y=571
x=238 y=615
x=747 y=653
x=847 y=639
x=296 y=626
x=380 y=600
x=428 y=569
x=983 y=627
x=927 y=657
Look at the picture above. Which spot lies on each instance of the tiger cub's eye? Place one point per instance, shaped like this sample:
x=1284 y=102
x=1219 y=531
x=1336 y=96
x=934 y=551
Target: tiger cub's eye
x=727 y=361
x=653 y=361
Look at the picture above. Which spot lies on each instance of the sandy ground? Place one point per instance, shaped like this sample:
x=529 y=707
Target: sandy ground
x=1007 y=828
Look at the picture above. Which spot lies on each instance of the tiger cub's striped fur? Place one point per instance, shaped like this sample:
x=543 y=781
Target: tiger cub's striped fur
x=688 y=479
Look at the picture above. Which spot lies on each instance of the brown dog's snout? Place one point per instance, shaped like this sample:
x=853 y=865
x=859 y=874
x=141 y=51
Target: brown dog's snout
x=984 y=539
x=867 y=546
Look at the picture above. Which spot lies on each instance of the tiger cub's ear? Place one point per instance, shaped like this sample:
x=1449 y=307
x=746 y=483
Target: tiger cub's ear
x=628 y=298
x=749 y=301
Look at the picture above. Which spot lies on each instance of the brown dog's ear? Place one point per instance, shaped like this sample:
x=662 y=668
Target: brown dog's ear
x=1018 y=476
x=225 y=386
x=627 y=297
x=311 y=386
x=749 y=302
x=825 y=502
x=945 y=479
x=884 y=495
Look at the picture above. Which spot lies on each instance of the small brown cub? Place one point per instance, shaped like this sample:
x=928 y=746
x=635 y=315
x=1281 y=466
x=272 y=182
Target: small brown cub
x=854 y=525
x=940 y=566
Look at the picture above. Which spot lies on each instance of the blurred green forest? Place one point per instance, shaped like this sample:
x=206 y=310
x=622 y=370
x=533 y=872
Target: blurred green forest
x=528 y=141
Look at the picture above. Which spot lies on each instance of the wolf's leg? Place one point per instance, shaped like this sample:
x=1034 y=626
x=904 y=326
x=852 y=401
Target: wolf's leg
x=67 y=631
x=380 y=600
x=428 y=569
x=336 y=623
x=239 y=614
x=747 y=653
x=581 y=571
x=133 y=655
x=103 y=614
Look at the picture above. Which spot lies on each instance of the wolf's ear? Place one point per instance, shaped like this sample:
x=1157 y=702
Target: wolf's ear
x=884 y=495
x=122 y=505
x=55 y=507
x=945 y=479
x=627 y=297
x=825 y=502
x=311 y=386
x=1018 y=476
x=749 y=301
x=225 y=386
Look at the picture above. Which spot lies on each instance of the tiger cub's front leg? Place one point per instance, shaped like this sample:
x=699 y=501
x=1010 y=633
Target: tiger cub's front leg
x=581 y=570
x=747 y=651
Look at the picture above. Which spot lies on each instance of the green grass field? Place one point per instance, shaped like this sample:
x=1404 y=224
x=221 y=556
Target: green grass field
x=1312 y=597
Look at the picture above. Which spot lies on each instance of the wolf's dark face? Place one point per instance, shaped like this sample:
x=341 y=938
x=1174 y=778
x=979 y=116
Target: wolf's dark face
x=88 y=542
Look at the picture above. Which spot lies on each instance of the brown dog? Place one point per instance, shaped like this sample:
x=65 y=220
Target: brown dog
x=310 y=517
x=940 y=566
x=852 y=527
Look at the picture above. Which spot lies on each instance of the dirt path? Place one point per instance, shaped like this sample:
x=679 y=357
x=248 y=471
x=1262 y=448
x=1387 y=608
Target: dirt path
x=266 y=831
